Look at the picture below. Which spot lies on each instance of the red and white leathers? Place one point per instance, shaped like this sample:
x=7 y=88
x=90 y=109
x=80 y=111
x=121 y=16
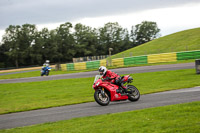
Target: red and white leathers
x=113 y=78
x=110 y=76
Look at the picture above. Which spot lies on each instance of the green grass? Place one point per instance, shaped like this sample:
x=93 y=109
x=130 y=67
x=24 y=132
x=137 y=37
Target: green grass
x=53 y=72
x=180 y=118
x=27 y=96
x=16 y=97
x=37 y=73
x=180 y=41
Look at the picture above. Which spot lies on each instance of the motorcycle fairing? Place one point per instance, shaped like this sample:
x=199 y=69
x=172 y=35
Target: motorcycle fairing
x=114 y=96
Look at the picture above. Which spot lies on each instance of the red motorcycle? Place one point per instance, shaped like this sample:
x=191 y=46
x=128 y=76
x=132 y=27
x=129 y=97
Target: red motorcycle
x=106 y=91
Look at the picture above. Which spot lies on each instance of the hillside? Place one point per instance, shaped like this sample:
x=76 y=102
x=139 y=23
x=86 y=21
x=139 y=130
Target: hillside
x=180 y=41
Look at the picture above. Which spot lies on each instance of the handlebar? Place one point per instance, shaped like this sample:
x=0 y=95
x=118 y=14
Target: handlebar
x=107 y=78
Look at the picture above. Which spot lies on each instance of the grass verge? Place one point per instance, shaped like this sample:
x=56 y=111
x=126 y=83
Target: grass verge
x=183 y=118
x=16 y=97
x=37 y=73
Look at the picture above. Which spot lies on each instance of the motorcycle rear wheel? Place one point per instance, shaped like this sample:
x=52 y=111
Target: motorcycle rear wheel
x=103 y=101
x=135 y=95
x=47 y=73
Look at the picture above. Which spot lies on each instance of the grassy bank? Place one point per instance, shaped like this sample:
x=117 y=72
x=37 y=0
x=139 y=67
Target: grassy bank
x=35 y=95
x=183 y=118
x=180 y=41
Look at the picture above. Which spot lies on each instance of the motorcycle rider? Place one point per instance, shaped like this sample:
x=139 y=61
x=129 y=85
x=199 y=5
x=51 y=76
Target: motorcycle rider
x=45 y=67
x=46 y=64
x=112 y=77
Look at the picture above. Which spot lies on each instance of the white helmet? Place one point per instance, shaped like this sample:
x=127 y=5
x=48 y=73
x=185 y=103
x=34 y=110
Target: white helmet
x=47 y=61
x=102 y=70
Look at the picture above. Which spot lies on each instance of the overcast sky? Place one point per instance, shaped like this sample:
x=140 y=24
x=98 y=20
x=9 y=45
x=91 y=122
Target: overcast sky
x=170 y=15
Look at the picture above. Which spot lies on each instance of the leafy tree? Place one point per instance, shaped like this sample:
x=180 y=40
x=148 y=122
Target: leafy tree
x=10 y=39
x=144 y=32
x=18 y=39
x=126 y=43
x=53 y=54
x=4 y=59
x=26 y=37
x=111 y=36
x=39 y=47
x=65 y=42
x=45 y=46
x=86 y=38
x=25 y=45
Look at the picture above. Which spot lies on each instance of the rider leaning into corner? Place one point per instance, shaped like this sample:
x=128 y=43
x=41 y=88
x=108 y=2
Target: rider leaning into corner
x=112 y=77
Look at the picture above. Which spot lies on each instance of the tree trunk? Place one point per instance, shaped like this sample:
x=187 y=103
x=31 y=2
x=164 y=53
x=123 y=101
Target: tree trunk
x=16 y=63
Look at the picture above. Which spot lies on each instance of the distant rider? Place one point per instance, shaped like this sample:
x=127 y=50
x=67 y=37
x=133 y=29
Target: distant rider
x=111 y=77
x=46 y=64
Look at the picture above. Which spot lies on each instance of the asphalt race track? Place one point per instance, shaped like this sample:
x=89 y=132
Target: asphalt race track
x=93 y=73
x=90 y=109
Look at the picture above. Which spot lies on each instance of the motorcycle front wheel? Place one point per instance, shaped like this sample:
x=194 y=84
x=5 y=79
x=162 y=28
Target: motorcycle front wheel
x=135 y=95
x=102 y=100
x=41 y=74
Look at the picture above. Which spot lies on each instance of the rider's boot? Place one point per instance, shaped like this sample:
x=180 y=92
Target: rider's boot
x=119 y=90
x=126 y=89
x=122 y=89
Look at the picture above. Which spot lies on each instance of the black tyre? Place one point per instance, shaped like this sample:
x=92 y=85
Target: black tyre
x=100 y=99
x=135 y=95
x=47 y=73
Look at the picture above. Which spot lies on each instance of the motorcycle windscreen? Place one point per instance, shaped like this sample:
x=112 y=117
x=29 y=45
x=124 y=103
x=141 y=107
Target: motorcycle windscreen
x=97 y=77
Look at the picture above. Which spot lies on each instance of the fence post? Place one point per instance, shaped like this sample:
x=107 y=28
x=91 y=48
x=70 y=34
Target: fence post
x=131 y=54
x=110 y=49
x=57 y=67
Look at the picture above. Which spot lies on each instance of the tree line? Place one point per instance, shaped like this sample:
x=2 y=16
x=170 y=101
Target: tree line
x=25 y=45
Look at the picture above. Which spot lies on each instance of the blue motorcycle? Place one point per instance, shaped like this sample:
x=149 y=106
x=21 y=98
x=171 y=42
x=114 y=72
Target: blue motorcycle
x=45 y=70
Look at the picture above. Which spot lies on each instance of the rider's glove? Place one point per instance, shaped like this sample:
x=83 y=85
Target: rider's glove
x=107 y=78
